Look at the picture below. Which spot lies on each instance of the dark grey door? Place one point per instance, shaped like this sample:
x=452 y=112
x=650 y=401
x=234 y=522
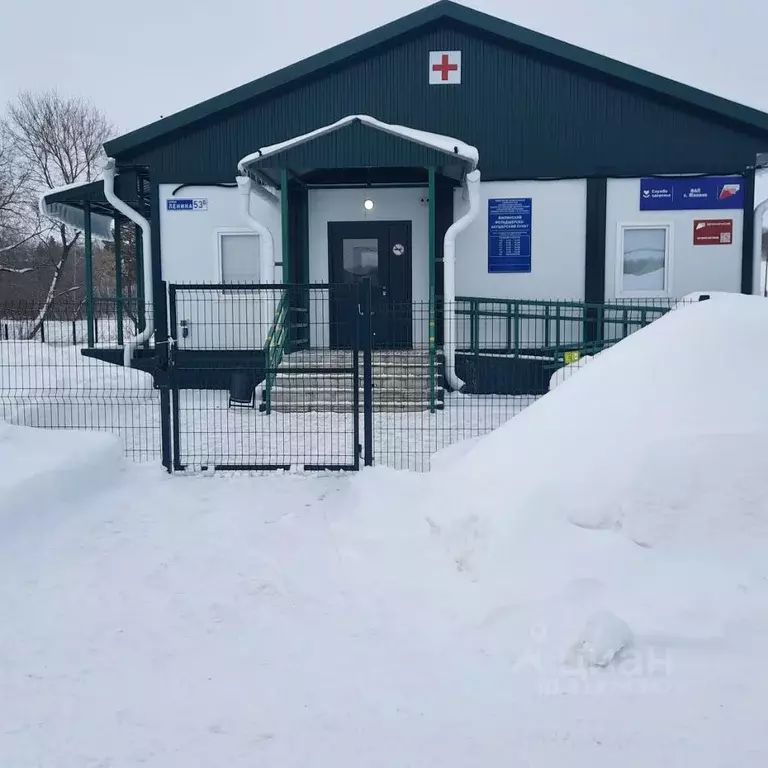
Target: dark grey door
x=381 y=252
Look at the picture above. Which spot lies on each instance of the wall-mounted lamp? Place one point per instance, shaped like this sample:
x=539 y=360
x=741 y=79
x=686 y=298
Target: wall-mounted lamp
x=368 y=204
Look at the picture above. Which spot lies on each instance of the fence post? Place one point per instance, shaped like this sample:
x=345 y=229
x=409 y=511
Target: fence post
x=162 y=344
x=74 y=333
x=366 y=328
x=356 y=384
x=96 y=329
x=42 y=331
x=173 y=381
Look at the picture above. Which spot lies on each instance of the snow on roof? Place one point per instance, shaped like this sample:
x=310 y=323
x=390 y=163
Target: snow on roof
x=446 y=144
x=101 y=226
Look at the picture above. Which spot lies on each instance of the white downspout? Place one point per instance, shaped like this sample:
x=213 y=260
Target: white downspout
x=757 y=245
x=266 y=241
x=146 y=239
x=472 y=182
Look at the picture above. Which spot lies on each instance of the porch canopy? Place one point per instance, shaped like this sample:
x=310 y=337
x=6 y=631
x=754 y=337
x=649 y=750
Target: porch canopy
x=71 y=204
x=359 y=149
x=84 y=207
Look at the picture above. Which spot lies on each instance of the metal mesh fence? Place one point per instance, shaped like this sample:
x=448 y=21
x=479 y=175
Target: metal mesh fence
x=315 y=376
x=46 y=380
x=256 y=384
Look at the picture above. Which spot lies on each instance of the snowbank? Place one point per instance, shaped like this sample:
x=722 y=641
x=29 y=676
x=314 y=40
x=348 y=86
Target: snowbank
x=672 y=416
x=45 y=468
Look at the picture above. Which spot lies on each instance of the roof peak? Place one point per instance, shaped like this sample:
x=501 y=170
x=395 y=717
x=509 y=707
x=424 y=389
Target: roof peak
x=480 y=22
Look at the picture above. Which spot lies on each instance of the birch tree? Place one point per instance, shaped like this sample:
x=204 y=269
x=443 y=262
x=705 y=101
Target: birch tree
x=58 y=141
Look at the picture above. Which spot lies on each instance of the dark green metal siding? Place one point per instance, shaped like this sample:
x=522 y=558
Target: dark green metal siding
x=530 y=116
x=359 y=146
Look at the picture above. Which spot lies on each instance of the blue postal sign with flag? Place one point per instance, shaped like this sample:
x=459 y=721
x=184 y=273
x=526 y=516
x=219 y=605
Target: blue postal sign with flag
x=711 y=193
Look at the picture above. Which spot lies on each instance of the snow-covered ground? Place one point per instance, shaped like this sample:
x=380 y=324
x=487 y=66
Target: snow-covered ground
x=586 y=586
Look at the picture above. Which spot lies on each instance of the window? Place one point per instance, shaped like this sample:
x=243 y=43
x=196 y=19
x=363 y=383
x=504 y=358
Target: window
x=360 y=259
x=239 y=255
x=644 y=265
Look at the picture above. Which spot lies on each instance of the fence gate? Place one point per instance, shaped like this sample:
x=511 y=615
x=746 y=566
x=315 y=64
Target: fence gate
x=254 y=382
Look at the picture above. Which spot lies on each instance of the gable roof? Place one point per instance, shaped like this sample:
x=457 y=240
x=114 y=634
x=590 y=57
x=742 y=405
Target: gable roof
x=446 y=10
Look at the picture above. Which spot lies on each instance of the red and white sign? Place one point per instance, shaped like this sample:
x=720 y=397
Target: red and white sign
x=444 y=67
x=713 y=231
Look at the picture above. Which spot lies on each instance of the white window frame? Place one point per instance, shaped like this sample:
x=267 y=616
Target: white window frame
x=226 y=232
x=622 y=226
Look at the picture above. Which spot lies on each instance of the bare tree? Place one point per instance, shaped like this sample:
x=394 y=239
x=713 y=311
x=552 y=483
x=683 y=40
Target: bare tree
x=58 y=141
x=14 y=203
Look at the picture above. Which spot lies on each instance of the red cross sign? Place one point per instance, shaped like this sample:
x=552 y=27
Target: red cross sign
x=444 y=67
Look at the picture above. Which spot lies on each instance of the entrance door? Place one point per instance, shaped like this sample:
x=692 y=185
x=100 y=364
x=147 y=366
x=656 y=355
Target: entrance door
x=381 y=252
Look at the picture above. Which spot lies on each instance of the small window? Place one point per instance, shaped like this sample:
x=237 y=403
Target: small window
x=239 y=255
x=360 y=259
x=644 y=266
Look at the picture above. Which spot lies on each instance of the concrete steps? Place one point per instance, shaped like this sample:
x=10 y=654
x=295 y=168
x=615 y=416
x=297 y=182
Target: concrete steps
x=401 y=382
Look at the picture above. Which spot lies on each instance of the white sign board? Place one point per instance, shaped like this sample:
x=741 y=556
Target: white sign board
x=445 y=67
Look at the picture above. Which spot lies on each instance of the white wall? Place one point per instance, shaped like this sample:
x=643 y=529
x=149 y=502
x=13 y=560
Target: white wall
x=693 y=267
x=190 y=254
x=188 y=239
x=390 y=204
x=558 y=219
x=558 y=224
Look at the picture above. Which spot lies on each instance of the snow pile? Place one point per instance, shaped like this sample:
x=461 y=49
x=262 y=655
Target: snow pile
x=604 y=636
x=655 y=438
x=43 y=468
x=636 y=488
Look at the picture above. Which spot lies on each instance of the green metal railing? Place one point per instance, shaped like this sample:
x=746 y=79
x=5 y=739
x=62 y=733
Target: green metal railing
x=552 y=329
x=274 y=347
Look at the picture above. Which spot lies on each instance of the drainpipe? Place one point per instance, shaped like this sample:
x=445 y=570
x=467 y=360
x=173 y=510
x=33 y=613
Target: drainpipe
x=266 y=241
x=472 y=185
x=757 y=244
x=146 y=239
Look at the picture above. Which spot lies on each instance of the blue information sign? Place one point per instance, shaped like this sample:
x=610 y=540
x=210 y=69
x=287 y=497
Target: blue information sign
x=712 y=193
x=509 y=234
x=187 y=204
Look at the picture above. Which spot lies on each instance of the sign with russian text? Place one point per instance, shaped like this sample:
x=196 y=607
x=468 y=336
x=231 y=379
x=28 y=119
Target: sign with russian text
x=713 y=232
x=692 y=194
x=187 y=204
x=509 y=234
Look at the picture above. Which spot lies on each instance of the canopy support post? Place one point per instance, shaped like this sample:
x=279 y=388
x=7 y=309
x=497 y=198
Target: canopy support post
x=88 y=273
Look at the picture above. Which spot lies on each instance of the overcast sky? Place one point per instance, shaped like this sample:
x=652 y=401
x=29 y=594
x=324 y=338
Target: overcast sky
x=141 y=59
